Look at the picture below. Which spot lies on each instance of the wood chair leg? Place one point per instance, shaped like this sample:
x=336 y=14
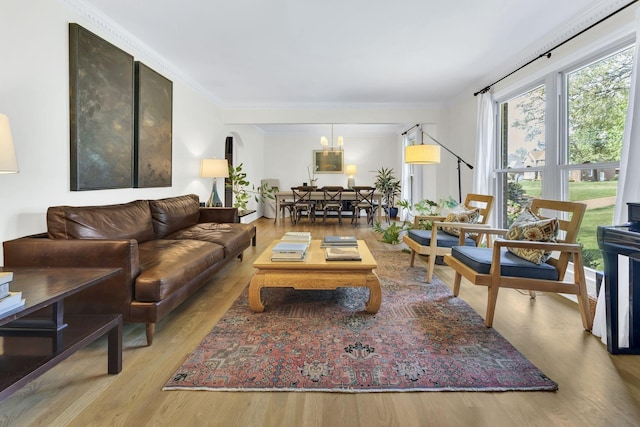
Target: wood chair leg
x=430 y=267
x=456 y=284
x=492 y=299
x=413 y=258
x=585 y=311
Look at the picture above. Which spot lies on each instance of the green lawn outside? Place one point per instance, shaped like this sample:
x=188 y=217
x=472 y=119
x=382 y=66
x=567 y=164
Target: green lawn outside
x=588 y=234
x=584 y=190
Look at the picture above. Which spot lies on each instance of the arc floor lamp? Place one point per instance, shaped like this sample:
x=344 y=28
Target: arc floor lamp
x=428 y=154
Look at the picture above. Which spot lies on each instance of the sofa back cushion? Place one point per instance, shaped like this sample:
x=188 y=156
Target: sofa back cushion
x=173 y=214
x=123 y=221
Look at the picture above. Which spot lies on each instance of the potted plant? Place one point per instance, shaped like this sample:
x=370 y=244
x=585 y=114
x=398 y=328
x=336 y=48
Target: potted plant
x=241 y=191
x=313 y=181
x=429 y=208
x=387 y=184
x=392 y=233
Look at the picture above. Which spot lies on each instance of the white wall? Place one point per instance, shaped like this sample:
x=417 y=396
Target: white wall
x=34 y=88
x=288 y=156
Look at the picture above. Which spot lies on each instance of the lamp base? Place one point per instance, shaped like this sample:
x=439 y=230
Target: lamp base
x=214 y=200
x=351 y=181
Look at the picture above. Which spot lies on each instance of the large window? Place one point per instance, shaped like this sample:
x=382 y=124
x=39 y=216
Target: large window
x=562 y=138
x=522 y=150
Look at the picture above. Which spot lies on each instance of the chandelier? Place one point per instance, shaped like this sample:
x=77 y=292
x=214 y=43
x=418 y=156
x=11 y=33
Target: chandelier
x=325 y=144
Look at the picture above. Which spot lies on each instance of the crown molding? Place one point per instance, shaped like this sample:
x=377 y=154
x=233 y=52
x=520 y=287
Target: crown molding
x=135 y=46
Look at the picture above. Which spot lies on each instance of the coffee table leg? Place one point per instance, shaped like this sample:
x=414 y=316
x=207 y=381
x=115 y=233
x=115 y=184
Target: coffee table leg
x=375 y=293
x=255 y=290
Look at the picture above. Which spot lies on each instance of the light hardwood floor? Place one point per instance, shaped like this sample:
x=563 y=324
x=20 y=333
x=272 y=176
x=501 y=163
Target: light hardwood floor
x=595 y=388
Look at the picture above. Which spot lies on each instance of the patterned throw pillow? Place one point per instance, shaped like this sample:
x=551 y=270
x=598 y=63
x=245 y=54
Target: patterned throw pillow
x=465 y=215
x=529 y=227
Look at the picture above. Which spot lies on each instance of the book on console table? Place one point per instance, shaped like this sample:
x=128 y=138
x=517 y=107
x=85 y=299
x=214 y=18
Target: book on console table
x=11 y=302
x=347 y=253
x=339 y=241
x=5 y=278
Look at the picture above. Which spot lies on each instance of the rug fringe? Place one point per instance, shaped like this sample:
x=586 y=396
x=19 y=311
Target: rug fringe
x=352 y=391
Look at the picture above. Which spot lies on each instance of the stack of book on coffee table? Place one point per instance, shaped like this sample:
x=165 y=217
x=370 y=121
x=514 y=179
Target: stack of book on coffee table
x=341 y=248
x=291 y=247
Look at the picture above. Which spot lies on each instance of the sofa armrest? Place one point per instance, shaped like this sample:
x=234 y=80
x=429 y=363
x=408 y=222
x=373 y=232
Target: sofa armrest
x=219 y=215
x=43 y=252
x=110 y=296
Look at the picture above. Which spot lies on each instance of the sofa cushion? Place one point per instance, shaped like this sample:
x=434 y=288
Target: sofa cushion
x=479 y=259
x=166 y=265
x=235 y=237
x=464 y=215
x=123 y=221
x=528 y=226
x=445 y=240
x=174 y=213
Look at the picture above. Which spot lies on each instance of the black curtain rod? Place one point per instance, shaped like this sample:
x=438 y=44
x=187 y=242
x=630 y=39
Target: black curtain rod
x=548 y=52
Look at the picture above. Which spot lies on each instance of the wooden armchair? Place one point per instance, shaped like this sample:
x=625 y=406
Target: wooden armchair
x=426 y=242
x=498 y=268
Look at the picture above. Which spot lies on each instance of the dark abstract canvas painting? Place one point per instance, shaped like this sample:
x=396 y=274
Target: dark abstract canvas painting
x=101 y=79
x=153 y=131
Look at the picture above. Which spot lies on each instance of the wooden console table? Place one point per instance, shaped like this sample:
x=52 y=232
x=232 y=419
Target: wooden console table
x=30 y=345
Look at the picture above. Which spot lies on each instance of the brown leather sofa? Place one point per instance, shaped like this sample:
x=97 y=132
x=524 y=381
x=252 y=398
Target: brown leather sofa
x=166 y=248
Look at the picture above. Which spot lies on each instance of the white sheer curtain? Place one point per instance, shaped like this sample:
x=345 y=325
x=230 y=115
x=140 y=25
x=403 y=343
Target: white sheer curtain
x=411 y=174
x=628 y=191
x=483 y=175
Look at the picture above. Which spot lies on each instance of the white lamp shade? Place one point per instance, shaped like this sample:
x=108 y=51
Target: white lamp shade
x=8 y=161
x=351 y=170
x=214 y=168
x=422 y=154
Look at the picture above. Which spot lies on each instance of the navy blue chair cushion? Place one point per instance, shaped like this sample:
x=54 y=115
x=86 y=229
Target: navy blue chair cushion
x=423 y=237
x=479 y=259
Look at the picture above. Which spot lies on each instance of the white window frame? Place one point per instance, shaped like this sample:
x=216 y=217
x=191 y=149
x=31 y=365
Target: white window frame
x=556 y=167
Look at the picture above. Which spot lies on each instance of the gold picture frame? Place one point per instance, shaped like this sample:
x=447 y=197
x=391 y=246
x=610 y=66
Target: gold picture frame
x=330 y=161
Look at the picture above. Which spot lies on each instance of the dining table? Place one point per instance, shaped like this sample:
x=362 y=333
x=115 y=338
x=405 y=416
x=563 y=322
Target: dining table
x=347 y=195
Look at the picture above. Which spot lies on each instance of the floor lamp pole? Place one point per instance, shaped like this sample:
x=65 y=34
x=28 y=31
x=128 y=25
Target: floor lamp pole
x=460 y=160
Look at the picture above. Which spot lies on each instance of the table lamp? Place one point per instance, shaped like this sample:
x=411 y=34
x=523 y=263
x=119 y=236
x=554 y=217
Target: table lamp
x=214 y=168
x=8 y=161
x=351 y=170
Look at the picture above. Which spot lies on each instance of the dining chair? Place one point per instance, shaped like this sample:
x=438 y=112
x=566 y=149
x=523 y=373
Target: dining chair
x=423 y=241
x=302 y=203
x=332 y=202
x=363 y=202
x=528 y=257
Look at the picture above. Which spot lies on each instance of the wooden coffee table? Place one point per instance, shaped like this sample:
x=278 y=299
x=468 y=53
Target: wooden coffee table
x=315 y=273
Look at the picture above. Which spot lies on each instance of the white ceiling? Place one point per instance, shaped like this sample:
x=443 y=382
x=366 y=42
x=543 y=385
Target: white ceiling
x=270 y=53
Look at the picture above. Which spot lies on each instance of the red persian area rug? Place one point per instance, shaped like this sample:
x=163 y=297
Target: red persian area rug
x=422 y=339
